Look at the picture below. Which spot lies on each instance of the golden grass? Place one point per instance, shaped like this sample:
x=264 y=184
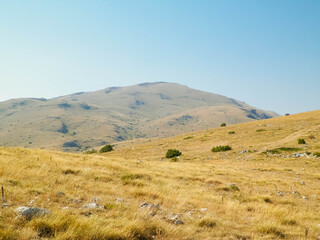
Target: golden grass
x=196 y=188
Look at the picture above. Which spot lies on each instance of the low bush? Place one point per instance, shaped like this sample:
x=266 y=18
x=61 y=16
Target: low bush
x=231 y=132
x=171 y=153
x=72 y=144
x=186 y=138
x=221 y=148
x=91 y=151
x=106 y=148
x=317 y=154
x=260 y=130
x=301 y=141
x=282 y=149
x=223 y=125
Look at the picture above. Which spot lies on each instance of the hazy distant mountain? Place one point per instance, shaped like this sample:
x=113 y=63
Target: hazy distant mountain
x=87 y=119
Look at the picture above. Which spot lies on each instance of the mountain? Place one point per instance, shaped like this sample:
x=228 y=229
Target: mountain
x=82 y=120
x=265 y=187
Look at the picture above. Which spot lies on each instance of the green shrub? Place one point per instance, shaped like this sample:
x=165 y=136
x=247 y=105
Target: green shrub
x=173 y=153
x=317 y=154
x=106 y=148
x=281 y=149
x=221 y=148
x=231 y=132
x=301 y=141
x=223 y=125
x=260 y=130
x=186 y=138
x=91 y=151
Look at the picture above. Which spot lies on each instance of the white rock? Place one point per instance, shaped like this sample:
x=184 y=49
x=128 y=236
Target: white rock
x=90 y=205
x=178 y=221
x=20 y=209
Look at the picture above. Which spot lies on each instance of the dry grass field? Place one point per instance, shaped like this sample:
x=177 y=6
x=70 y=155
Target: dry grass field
x=257 y=190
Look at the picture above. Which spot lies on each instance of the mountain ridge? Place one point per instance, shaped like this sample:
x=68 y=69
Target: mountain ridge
x=82 y=120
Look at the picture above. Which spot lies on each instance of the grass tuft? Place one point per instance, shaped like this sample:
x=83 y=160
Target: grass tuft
x=208 y=223
x=271 y=230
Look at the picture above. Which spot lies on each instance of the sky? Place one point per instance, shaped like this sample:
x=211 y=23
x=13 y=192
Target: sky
x=265 y=53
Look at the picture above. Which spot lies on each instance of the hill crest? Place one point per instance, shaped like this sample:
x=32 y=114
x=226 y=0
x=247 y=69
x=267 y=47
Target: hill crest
x=83 y=120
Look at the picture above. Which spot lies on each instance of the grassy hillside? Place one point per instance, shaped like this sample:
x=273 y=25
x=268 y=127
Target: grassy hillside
x=257 y=190
x=80 y=121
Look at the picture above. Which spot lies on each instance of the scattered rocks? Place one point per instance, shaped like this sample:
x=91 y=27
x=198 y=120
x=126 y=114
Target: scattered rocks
x=154 y=206
x=295 y=155
x=19 y=210
x=175 y=219
x=94 y=199
x=296 y=192
x=304 y=197
x=120 y=200
x=178 y=221
x=90 y=205
x=189 y=213
x=31 y=212
x=203 y=209
x=280 y=194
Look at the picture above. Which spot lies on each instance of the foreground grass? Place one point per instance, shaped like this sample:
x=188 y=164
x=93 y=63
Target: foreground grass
x=224 y=195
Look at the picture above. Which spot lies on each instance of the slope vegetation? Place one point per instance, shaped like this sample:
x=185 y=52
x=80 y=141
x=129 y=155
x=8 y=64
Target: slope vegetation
x=266 y=187
x=80 y=121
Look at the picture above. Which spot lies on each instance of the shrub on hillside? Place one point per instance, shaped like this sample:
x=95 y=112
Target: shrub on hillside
x=301 y=141
x=91 y=151
x=223 y=125
x=106 y=148
x=171 y=153
x=72 y=144
x=221 y=148
x=317 y=154
x=231 y=132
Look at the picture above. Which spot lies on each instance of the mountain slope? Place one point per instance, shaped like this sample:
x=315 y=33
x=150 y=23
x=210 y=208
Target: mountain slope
x=140 y=194
x=82 y=120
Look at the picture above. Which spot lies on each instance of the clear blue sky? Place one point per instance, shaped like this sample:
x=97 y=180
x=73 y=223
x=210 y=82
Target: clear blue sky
x=265 y=53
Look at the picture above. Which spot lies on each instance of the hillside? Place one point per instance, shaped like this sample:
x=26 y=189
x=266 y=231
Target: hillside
x=83 y=120
x=266 y=187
